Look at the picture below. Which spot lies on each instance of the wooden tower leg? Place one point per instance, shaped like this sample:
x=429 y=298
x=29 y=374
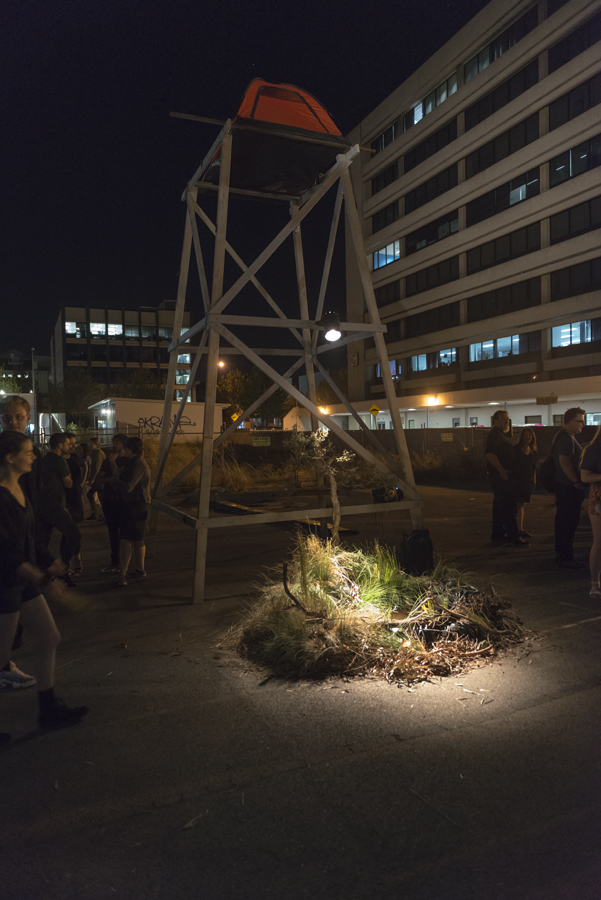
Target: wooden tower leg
x=372 y=308
x=178 y=321
x=206 y=465
x=307 y=343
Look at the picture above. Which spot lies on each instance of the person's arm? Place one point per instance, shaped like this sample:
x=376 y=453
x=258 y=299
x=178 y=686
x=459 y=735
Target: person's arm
x=567 y=467
x=112 y=461
x=493 y=459
x=589 y=477
x=97 y=461
x=134 y=474
x=63 y=472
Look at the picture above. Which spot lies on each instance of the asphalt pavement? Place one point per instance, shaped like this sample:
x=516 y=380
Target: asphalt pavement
x=190 y=778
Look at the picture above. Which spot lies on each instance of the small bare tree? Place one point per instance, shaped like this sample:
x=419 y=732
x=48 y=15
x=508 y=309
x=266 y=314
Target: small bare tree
x=317 y=449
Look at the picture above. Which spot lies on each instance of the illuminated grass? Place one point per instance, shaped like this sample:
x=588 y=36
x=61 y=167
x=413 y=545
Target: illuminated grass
x=346 y=611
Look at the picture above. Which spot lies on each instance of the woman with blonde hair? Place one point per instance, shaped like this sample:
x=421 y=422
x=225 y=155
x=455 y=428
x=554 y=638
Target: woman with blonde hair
x=590 y=473
x=525 y=473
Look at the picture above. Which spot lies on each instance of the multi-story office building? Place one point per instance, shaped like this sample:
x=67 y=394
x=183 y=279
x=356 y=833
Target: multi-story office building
x=107 y=342
x=481 y=209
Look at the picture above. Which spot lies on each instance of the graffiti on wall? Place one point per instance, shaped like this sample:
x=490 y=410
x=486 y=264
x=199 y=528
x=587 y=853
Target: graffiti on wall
x=152 y=424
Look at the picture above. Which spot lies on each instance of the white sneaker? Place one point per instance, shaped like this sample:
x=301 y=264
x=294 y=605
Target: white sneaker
x=16 y=679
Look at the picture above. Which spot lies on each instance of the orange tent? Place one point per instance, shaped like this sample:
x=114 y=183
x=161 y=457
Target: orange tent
x=285 y=104
x=283 y=142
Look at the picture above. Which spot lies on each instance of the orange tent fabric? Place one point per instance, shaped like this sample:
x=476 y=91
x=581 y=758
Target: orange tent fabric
x=284 y=142
x=285 y=104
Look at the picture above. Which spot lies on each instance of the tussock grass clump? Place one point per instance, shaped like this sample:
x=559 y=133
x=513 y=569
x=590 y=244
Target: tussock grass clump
x=347 y=611
x=234 y=476
x=179 y=456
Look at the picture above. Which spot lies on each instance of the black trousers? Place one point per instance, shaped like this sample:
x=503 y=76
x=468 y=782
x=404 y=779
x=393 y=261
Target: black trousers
x=112 y=517
x=504 y=509
x=60 y=519
x=567 y=519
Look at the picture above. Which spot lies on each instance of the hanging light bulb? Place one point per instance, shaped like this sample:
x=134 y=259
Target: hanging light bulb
x=331 y=325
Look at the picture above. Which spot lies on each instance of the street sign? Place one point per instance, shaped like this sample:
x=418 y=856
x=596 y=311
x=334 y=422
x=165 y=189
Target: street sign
x=374 y=410
x=261 y=441
x=234 y=416
x=446 y=436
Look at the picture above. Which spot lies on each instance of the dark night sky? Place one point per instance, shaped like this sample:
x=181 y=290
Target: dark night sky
x=93 y=167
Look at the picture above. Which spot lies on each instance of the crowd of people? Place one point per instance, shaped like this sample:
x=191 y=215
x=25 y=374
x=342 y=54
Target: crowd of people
x=576 y=478
x=41 y=493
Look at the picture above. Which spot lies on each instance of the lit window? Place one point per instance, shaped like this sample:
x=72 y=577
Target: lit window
x=182 y=376
x=183 y=359
x=76 y=329
x=573 y=333
x=517 y=194
x=387 y=254
x=97 y=329
x=446 y=357
x=115 y=330
x=395 y=367
x=496 y=349
x=429 y=104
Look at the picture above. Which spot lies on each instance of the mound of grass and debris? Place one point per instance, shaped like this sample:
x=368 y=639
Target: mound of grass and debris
x=340 y=611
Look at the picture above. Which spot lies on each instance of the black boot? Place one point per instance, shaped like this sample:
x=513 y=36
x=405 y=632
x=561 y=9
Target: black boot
x=55 y=713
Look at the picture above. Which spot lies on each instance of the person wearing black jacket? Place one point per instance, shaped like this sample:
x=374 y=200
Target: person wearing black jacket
x=133 y=486
x=500 y=465
x=51 y=510
x=16 y=416
x=110 y=497
x=27 y=572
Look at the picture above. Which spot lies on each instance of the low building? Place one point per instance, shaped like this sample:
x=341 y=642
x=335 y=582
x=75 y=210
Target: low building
x=144 y=418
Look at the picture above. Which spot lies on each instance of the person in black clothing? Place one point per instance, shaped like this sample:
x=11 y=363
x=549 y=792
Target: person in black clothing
x=16 y=416
x=110 y=498
x=73 y=498
x=525 y=473
x=133 y=485
x=590 y=472
x=25 y=571
x=73 y=495
x=569 y=488
x=500 y=465
x=52 y=512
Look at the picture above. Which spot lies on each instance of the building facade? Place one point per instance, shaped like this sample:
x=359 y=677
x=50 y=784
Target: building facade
x=481 y=210
x=108 y=342
x=30 y=370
